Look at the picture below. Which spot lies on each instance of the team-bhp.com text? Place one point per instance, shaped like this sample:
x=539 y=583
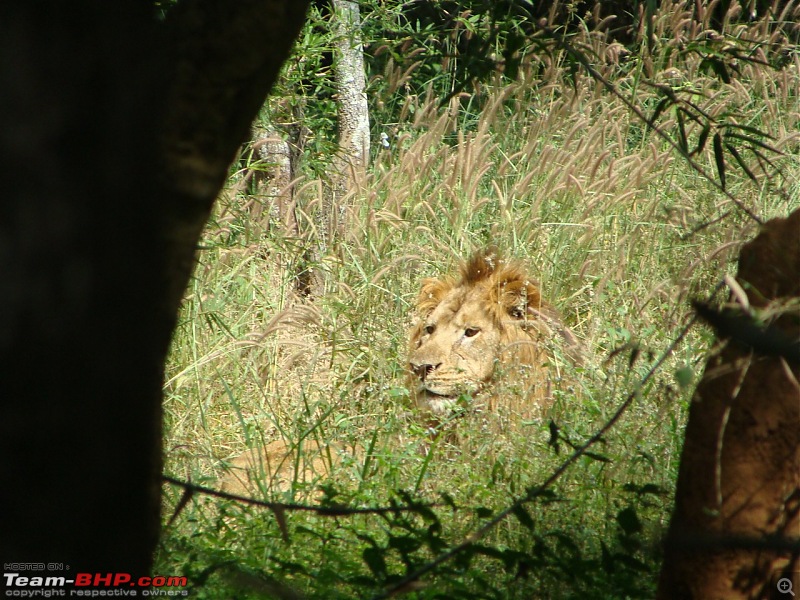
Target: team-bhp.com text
x=102 y=584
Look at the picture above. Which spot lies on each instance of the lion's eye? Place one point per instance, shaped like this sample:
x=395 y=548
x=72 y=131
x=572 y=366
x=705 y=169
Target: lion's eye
x=471 y=331
x=429 y=329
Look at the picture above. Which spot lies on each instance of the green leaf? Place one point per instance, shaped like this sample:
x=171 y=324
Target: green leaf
x=598 y=457
x=374 y=559
x=682 y=141
x=397 y=392
x=702 y=139
x=684 y=376
x=628 y=520
x=483 y=513
x=719 y=158
x=523 y=516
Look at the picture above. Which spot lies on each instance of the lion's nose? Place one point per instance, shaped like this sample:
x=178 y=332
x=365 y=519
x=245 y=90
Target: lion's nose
x=423 y=370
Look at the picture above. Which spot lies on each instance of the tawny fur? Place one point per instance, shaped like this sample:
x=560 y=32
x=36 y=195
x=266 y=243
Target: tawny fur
x=281 y=467
x=489 y=325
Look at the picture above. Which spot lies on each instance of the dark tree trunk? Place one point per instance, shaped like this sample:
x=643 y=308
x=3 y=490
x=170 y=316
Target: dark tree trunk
x=114 y=147
x=737 y=505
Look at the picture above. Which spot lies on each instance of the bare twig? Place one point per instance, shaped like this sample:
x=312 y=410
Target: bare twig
x=325 y=511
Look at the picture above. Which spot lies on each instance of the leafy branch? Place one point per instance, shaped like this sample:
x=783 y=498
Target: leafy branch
x=280 y=509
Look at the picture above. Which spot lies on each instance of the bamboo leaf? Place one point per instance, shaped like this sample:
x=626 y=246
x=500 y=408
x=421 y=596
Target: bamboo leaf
x=735 y=153
x=663 y=103
x=374 y=559
x=629 y=521
x=280 y=517
x=763 y=158
x=749 y=129
x=702 y=139
x=523 y=516
x=718 y=67
x=598 y=457
x=682 y=142
x=650 y=11
x=753 y=141
x=719 y=157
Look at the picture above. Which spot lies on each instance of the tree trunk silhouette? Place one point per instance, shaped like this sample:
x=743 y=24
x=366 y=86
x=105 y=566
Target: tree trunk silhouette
x=116 y=132
x=737 y=505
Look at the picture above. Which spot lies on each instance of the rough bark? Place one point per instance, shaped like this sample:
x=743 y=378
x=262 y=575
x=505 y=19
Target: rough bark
x=352 y=116
x=272 y=178
x=114 y=147
x=737 y=506
x=227 y=56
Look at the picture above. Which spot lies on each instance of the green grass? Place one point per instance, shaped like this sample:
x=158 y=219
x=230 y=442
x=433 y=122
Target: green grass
x=601 y=211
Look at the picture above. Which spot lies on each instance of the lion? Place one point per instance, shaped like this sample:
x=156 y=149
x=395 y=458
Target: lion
x=485 y=326
x=488 y=326
x=280 y=467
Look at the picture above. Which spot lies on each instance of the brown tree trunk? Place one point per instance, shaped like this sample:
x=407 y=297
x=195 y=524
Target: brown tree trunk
x=737 y=505
x=114 y=147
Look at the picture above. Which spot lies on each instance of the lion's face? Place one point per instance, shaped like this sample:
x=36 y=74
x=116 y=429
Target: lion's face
x=455 y=350
x=490 y=320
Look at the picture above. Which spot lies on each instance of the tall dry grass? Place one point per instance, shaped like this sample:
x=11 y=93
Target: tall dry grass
x=556 y=171
x=561 y=176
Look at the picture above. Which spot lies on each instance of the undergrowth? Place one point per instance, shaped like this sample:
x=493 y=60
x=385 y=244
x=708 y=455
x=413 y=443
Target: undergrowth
x=619 y=232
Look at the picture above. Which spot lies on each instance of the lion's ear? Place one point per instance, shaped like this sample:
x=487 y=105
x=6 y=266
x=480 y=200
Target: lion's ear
x=520 y=298
x=431 y=294
x=533 y=300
